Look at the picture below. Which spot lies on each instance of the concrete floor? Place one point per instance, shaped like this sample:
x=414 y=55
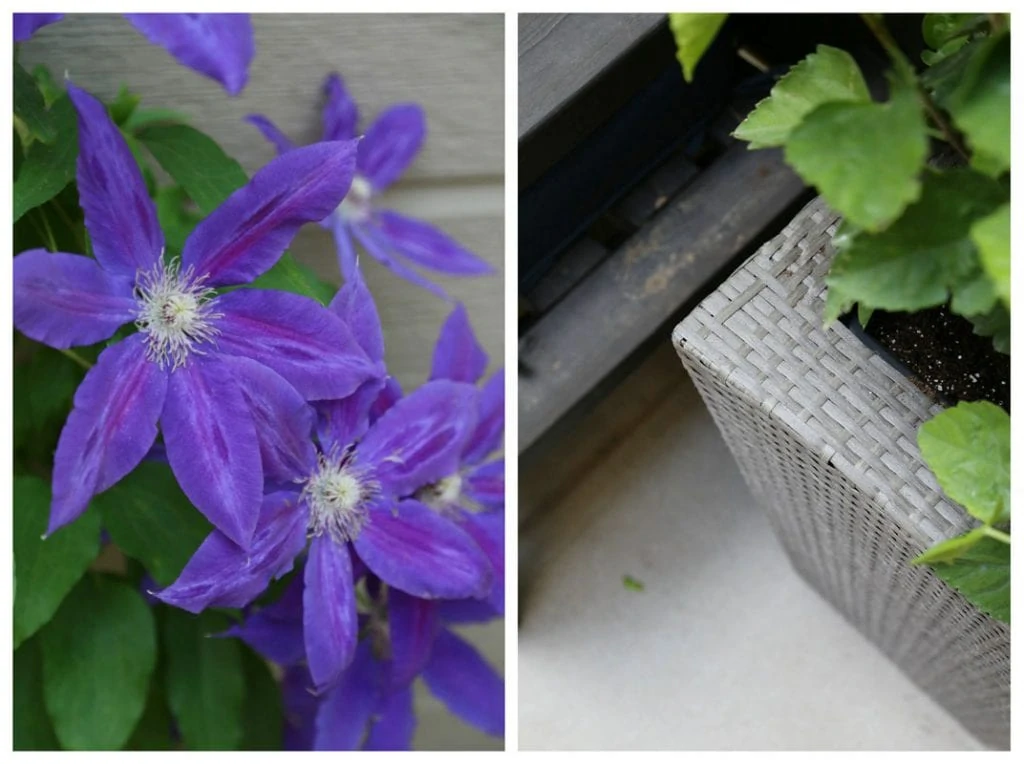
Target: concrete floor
x=725 y=647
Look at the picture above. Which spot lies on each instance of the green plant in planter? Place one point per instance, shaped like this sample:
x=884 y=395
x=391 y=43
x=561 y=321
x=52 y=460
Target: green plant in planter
x=914 y=235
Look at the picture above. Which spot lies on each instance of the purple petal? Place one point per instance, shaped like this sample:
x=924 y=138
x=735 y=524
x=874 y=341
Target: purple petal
x=412 y=624
x=371 y=239
x=485 y=485
x=275 y=631
x=119 y=214
x=395 y=724
x=422 y=553
x=109 y=430
x=26 y=24
x=284 y=421
x=212 y=446
x=345 y=421
x=298 y=338
x=391 y=143
x=389 y=395
x=466 y=611
x=345 y=712
x=348 y=263
x=354 y=305
x=329 y=619
x=457 y=354
x=300 y=707
x=428 y=247
x=281 y=142
x=461 y=679
x=222 y=574
x=488 y=531
x=66 y=300
x=490 y=426
x=419 y=440
x=341 y=115
x=219 y=45
x=247 y=234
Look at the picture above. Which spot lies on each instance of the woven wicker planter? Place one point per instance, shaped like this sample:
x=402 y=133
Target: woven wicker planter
x=824 y=430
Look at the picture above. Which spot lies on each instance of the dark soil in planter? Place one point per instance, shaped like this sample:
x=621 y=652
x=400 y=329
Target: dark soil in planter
x=946 y=359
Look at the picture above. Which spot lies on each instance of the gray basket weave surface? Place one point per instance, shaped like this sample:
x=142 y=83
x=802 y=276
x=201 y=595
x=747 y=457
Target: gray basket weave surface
x=824 y=430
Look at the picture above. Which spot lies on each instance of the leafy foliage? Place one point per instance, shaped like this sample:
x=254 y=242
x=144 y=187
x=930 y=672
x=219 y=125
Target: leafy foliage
x=982 y=575
x=694 y=33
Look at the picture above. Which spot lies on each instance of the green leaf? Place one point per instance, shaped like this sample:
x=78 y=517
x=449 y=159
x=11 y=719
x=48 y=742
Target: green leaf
x=289 y=276
x=140 y=159
x=994 y=324
x=828 y=75
x=151 y=520
x=864 y=314
x=47 y=570
x=48 y=168
x=177 y=220
x=99 y=652
x=982 y=576
x=968 y=449
x=30 y=107
x=973 y=294
x=141 y=118
x=864 y=158
x=153 y=732
x=204 y=679
x=262 y=711
x=196 y=162
x=991 y=235
x=123 y=105
x=980 y=105
x=922 y=256
x=694 y=33
x=49 y=88
x=32 y=728
x=951 y=549
x=939 y=28
x=45 y=381
x=931 y=58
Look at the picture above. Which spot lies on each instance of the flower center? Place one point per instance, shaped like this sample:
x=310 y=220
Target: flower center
x=355 y=207
x=337 y=495
x=444 y=495
x=174 y=313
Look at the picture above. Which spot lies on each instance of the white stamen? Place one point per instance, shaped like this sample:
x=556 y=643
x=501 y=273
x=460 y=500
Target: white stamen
x=444 y=496
x=174 y=313
x=337 y=495
x=355 y=207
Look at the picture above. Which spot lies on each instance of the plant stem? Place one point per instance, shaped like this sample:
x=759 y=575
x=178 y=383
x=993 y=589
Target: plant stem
x=77 y=359
x=881 y=32
x=51 y=239
x=996 y=534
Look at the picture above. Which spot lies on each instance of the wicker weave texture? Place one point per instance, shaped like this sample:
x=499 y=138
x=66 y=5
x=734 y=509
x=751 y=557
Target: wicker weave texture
x=824 y=431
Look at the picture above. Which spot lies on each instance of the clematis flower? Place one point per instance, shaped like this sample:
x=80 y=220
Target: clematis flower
x=371 y=706
x=217 y=45
x=218 y=372
x=351 y=505
x=390 y=144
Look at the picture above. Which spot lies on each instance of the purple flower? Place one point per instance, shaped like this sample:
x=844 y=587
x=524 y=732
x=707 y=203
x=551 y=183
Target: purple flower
x=353 y=505
x=219 y=372
x=218 y=45
x=388 y=147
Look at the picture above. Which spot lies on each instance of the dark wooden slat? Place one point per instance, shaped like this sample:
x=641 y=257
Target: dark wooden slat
x=598 y=325
x=560 y=54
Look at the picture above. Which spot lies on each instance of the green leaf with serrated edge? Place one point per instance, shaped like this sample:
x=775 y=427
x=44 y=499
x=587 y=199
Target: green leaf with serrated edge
x=982 y=576
x=694 y=33
x=923 y=255
x=204 y=679
x=123 y=105
x=48 y=167
x=196 y=162
x=32 y=728
x=864 y=158
x=262 y=712
x=289 y=276
x=939 y=28
x=30 y=107
x=991 y=235
x=153 y=732
x=950 y=549
x=980 y=105
x=968 y=449
x=151 y=520
x=943 y=77
x=994 y=324
x=828 y=75
x=47 y=570
x=99 y=652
